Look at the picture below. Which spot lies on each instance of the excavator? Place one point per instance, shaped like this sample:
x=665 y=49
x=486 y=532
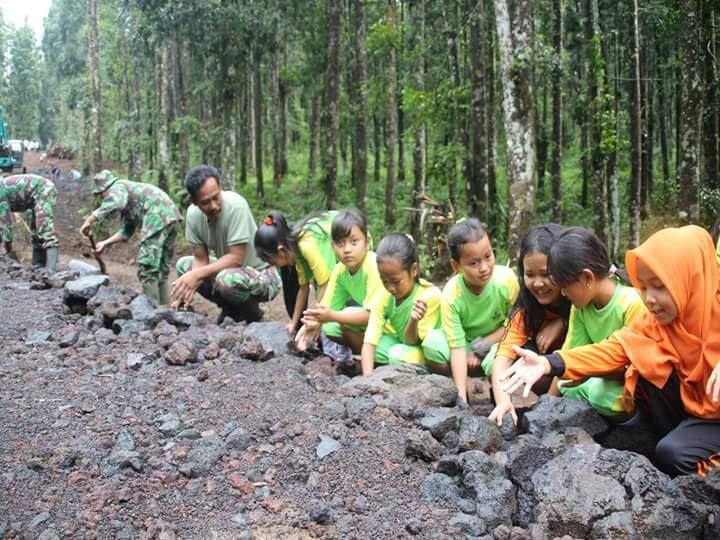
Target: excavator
x=7 y=161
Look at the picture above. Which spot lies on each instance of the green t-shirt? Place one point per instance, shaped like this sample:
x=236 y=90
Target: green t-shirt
x=364 y=286
x=235 y=226
x=316 y=257
x=467 y=316
x=591 y=325
x=387 y=317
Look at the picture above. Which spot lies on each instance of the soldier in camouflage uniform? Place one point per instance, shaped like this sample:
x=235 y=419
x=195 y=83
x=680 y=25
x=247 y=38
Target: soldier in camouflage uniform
x=30 y=192
x=150 y=208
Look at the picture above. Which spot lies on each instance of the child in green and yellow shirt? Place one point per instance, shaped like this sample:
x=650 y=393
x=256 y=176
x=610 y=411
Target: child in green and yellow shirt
x=474 y=308
x=354 y=279
x=307 y=246
x=406 y=313
x=601 y=304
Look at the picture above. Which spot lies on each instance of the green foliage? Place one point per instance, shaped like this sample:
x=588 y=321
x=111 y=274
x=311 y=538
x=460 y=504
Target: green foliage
x=23 y=85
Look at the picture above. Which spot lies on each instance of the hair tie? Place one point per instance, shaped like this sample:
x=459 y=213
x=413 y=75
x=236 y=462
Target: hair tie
x=268 y=221
x=613 y=270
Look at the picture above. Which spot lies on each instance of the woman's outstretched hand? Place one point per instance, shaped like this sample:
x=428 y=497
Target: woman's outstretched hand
x=526 y=371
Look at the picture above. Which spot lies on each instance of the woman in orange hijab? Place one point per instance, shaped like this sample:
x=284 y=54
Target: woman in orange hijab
x=669 y=355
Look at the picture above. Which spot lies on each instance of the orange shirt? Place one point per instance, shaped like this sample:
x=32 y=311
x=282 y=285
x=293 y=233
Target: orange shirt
x=684 y=260
x=516 y=334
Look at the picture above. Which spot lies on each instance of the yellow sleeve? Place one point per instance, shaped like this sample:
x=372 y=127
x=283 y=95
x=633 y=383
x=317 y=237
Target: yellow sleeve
x=375 y=289
x=513 y=289
x=635 y=308
x=449 y=316
x=318 y=267
x=334 y=297
x=376 y=323
x=431 y=319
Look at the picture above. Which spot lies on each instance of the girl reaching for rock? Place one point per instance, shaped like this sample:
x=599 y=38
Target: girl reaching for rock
x=539 y=318
x=405 y=315
x=670 y=353
x=475 y=305
x=601 y=304
x=307 y=246
x=355 y=279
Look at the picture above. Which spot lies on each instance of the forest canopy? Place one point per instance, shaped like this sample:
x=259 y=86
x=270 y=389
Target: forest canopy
x=593 y=112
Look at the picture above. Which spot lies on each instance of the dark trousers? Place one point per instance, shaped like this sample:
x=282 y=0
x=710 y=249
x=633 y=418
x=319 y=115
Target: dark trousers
x=686 y=442
x=290 y=287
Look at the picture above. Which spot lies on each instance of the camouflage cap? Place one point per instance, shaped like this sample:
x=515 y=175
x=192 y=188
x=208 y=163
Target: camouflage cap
x=103 y=180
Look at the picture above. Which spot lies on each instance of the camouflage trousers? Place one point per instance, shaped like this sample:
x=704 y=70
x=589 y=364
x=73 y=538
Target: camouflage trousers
x=236 y=285
x=155 y=254
x=42 y=220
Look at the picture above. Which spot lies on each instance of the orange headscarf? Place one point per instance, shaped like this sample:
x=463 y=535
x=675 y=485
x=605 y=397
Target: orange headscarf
x=684 y=260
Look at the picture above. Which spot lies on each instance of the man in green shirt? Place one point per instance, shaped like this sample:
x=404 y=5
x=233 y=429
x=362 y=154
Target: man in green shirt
x=224 y=267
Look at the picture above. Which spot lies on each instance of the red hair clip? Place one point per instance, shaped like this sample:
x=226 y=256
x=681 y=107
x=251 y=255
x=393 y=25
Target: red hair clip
x=269 y=221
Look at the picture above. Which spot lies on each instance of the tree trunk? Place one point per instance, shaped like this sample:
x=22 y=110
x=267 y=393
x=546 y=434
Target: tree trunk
x=377 y=148
x=399 y=93
x=162 y=80
x=360 y=155
x=515 y=37
x=244 y=132
x=649 y=146
x=392 y=126
x=228 y=142
x=183 y=145
x=331 y=105
x=490 y=111
x=477 y=177
x=257 y=106
x=277 y=167
x=312 y=150
x=456 y=126
x=557 y=111
x=634 y=195
x=612 y=172
x=136 y=165
x=662 y=111
x=94 y=61
x=541 y=143
x=693 y=93
x=127 y=116
x=420 y=131
x=711 y=133
x=595 y=110
x=284 y=95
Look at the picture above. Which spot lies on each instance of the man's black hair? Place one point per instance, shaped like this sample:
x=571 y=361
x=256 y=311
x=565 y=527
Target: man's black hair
x=197 y=176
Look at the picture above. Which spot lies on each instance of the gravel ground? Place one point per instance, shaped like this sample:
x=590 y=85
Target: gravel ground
x=93 y=447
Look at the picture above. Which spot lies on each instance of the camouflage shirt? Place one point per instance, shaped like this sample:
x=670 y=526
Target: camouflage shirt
x=21 y=191
x=28 y=192
x=141 y=205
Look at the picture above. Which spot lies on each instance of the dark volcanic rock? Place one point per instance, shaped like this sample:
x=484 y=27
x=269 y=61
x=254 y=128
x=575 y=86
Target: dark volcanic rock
x=181 y=352
x=78 y=292
x=321 y=513
x=201 y=458
x=422 y=445
x=590 y=490
x=252 y=349
x=272 y=336
x=111 y=310
x=479 y=433
x=440 y=421
x=494 y=493
x=403 y=388
x=557 y=414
